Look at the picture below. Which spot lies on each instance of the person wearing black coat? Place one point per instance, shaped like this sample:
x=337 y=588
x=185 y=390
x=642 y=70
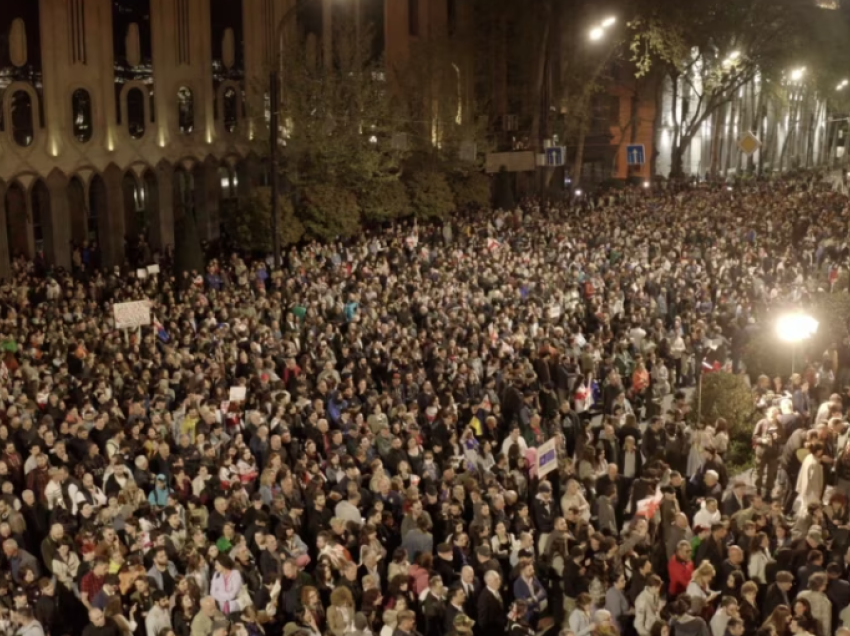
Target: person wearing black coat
x=491 y=616
x=778 y=593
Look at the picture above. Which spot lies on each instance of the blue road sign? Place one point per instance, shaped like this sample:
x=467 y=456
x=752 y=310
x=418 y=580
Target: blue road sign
x=555 y=156
x=635 y=155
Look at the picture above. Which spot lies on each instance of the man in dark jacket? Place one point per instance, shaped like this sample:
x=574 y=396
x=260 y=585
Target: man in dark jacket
x=491 y=607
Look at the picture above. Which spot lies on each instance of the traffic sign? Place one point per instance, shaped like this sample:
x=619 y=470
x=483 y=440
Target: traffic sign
x=749 y=143
x=555 y=156
x=636 y=155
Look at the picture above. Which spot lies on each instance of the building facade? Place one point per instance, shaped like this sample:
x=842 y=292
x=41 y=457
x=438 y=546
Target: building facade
x=118 y=117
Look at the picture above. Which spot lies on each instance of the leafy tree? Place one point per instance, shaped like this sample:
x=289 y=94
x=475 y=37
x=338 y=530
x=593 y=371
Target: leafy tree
x=329 y=211
x=832 y=311
x=250 y=226
x=503 y=196
x=430 y=194
x=711 y=50
x=727 y=396
x=386 y=201
x=471 y=190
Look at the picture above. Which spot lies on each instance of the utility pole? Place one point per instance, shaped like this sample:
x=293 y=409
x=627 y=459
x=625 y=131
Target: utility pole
x=274 y=104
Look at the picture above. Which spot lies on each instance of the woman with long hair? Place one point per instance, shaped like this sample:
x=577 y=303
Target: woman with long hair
x=699 y=589
x=340 y=614
x=779 y=620
x=759 y=558
x=115 y=612
x=802 y=609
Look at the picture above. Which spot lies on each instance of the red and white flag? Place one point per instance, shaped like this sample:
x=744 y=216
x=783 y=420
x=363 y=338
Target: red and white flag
x=709 y=367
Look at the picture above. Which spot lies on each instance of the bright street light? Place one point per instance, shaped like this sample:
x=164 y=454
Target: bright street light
x=796 y=327
x=596 y=33
x=607 y=22
x=646 y=184
x=797 y=74
x=734 y=55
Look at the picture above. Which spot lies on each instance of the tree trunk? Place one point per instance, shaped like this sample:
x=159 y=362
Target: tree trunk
x=716 y=127
x=540 y=75
x=656 y=133
x=731 y=142
x=579 y=160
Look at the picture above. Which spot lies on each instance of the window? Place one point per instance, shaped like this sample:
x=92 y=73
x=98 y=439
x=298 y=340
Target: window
x=413 y=17
x=81 y=112
x=186 y=110
x=136 y=113
x=231 y=109
x=22 y=122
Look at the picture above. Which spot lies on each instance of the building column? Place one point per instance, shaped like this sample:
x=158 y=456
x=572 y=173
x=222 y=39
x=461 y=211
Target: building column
x=111 y=234
x=162 y=228
x=57 y=230
x=5 y=255
x=208 y=199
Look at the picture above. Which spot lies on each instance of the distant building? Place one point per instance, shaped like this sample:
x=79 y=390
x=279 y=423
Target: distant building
x=119 y=117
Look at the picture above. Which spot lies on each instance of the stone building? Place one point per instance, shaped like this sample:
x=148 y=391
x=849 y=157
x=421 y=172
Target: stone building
x=118 y=117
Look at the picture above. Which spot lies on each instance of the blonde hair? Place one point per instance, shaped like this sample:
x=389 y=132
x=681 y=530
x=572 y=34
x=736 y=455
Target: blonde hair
x=705 y=570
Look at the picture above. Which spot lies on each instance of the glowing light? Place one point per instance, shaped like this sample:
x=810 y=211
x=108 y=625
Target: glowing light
x=597 y=33
x=607 y=22
x=646 y=184
x=796 y=327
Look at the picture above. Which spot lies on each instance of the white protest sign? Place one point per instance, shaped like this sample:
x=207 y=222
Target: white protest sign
x=132 y=315
x=238 y=393
x=153 y=269
x=141 y=273
x=547 y=458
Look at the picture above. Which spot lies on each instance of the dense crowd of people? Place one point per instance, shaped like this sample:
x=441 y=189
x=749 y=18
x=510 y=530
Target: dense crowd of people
x=380 y=475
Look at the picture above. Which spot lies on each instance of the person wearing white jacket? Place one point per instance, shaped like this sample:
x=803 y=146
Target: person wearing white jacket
x=648 y=606
x=708 y=514
x=759 y=559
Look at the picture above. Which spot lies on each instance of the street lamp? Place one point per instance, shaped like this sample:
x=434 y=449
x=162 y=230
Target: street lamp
x=842 y=85
x=797 y=74
x=794 y=328
x=597 y=32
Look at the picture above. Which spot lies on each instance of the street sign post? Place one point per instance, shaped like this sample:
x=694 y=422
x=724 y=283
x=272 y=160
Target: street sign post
x=636 y=155
x=555 y=156
x=749 y=143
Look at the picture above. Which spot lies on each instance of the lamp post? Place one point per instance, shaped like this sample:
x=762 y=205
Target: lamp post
x=795 y=328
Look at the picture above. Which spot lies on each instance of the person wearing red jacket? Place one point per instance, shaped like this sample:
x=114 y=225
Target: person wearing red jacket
x=680 y=568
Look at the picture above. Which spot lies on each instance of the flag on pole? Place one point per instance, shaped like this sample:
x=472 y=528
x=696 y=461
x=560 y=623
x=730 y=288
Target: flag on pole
x=709 y=367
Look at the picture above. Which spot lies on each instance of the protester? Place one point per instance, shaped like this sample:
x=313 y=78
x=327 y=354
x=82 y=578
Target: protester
x=351 y=444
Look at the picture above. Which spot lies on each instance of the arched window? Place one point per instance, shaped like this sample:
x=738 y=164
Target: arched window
x=231 y=109
x=136 y=113
x=81 y=112
x=186 y=110
x=22 y=119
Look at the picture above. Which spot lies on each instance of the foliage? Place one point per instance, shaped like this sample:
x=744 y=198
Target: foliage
x=712 y=49
x=430 y=194
x=188 y=255
x=503 y=196
x=832 y=312
x=329 y=211
x=339 y=119
x=471 y=191
x=250 y=226
x=441 y=114
x=387 y=200
x=762 y=356
x=728 y=396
